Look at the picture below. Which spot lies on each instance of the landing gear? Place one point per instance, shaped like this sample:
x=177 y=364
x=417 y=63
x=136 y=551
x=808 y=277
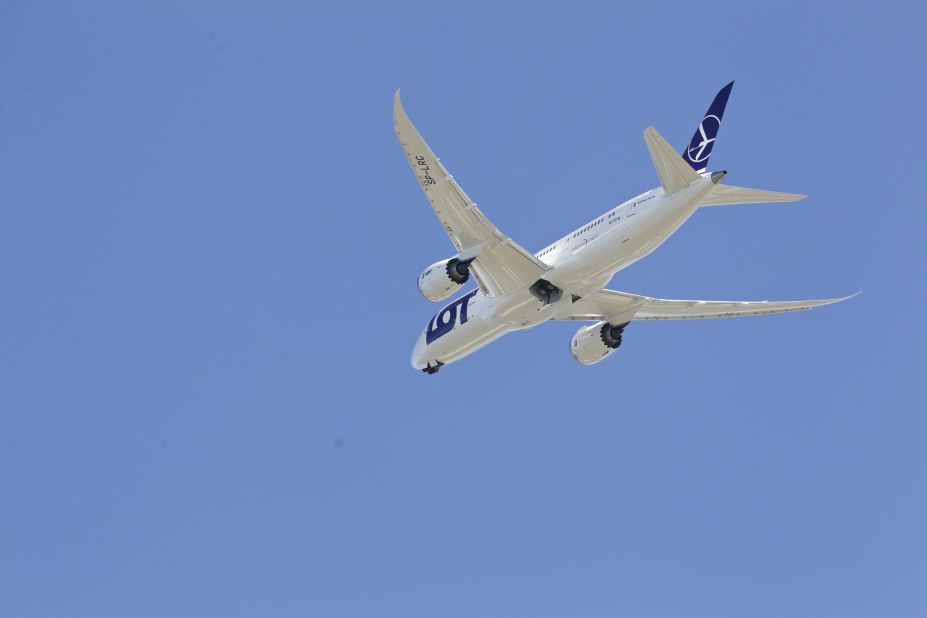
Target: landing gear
x=430 y=369
x=545 y=291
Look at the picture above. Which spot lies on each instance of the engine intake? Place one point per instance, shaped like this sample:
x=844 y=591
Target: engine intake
x=591 y=344
x=443 y=278
x=458 y=270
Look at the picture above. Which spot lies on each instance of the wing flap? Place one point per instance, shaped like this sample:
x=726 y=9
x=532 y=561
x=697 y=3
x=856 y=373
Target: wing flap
x=502 y=266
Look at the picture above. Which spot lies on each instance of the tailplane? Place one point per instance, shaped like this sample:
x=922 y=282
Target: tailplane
x=699 y=149
x=726 y=194
x=671 y=168
x=677 y=172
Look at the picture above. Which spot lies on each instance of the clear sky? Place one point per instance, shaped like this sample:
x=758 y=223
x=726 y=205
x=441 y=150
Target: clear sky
x=209 y=243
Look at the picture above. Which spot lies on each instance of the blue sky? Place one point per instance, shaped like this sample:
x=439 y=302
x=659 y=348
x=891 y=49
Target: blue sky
x=209 y=241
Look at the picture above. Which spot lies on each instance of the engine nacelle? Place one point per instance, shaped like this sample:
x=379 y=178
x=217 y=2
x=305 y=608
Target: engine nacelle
x=592 y=344
x=443 y=278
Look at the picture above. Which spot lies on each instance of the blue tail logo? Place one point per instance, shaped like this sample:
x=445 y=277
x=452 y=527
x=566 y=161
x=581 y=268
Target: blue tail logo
x=699 y=148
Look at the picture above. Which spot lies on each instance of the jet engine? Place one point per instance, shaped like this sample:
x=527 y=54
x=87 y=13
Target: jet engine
x=592 y=344
x=443 y=278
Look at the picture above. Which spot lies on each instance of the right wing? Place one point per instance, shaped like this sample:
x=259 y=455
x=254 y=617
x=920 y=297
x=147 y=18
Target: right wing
x=620 y=307
x=501 y=265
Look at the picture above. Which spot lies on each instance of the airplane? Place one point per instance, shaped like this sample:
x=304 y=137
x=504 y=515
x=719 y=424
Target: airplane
x=517 y=290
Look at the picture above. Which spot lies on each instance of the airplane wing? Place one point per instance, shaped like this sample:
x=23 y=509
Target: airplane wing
x=501 y=265
x=619 y=307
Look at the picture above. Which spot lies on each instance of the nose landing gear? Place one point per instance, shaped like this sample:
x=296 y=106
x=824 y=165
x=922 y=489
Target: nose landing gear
x=430 y=369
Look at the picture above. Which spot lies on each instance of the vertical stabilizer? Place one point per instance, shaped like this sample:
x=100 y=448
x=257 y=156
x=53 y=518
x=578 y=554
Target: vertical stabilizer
x=699 y=149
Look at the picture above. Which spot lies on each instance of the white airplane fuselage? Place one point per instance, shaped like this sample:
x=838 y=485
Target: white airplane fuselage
x=581 y=263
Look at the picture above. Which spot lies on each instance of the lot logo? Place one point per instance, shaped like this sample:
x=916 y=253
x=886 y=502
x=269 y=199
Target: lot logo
x=700 y=150
x=444 y=320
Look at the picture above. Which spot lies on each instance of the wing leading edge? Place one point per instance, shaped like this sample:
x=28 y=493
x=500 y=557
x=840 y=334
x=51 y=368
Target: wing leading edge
x=619 y=307
x=501 y=265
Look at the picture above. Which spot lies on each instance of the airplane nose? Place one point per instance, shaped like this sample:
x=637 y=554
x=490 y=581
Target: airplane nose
x=418 y=353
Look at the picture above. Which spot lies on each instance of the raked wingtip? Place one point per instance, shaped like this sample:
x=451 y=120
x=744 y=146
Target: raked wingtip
x=843 y=298
x=397 y=107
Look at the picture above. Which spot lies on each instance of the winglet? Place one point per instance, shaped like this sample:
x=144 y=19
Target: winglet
x=674 y=172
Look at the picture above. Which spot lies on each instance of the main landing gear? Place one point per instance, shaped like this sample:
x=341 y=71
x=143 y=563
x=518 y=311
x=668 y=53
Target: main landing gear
x=545 y=291
x=430 y=369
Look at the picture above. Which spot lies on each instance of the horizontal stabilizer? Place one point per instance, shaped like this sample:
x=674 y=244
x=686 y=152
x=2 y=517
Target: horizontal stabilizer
x=726 y=194
x=675 y=174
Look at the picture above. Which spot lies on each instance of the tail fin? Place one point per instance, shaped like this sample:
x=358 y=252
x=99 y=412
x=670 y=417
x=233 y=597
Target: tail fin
x=672 y=169
x=699 y=148
x=726 y=194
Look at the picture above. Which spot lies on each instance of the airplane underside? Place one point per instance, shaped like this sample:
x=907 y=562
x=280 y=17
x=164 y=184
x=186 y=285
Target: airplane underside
x=517 y=290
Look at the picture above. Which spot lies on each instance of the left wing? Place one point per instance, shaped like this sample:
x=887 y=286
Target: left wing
x=619 y=307
x=501 y=265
